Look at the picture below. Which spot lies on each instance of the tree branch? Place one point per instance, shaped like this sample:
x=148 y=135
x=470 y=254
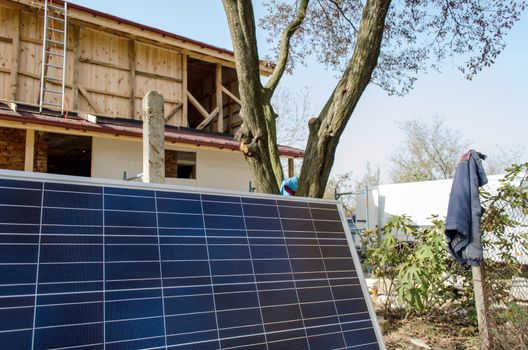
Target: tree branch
x=329 y=125
x=284 y=49
x=256 y=136
x=336 y=4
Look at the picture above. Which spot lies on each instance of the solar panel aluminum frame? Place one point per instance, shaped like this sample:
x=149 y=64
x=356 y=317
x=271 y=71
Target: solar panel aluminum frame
x=61 y=179
x=361 y=276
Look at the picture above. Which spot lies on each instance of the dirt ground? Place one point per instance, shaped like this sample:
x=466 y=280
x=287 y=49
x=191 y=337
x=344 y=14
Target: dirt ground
x=437 y=334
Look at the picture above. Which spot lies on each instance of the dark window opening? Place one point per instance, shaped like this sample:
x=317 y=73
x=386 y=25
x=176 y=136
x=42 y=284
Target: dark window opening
x=69 y=154
x=201 y=84
x=181 y=165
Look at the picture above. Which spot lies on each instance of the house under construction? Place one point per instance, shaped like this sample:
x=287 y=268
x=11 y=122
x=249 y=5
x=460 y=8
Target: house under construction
x=71 y=84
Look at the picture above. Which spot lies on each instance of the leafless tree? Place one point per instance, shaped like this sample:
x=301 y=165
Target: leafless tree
x=292 y=109
x=380 y=41
x=504 y=157
x=431 y=151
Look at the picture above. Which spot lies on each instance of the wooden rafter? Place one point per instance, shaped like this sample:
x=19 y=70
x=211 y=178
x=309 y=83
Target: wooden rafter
x=230 y=94
x=88 y=99
x=208 y=119
x=173 y=112
x=197 y=104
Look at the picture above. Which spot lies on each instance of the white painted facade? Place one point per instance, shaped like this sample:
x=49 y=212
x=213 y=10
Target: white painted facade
x=419 y=200
x=219 y=169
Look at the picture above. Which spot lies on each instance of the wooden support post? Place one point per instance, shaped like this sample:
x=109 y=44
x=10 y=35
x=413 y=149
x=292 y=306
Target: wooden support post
x=219 y=101
x=481 y=304
x=184 y=121
x=15 y=58
x=76 y=68
x=30 y=150
x=132 y=77
x=229 y=115
x=153 y=138
x=291 y=167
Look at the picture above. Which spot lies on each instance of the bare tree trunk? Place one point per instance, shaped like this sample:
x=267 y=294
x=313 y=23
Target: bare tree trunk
x=256 y=142
x=326 y=129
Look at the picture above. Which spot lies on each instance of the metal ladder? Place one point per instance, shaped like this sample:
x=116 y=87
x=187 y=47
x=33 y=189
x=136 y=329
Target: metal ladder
x=53 y=56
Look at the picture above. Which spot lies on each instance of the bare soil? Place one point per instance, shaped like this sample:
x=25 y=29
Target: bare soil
x=438 y=334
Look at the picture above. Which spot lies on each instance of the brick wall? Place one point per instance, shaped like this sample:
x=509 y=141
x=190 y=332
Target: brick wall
x=40 y=163
x=171 y=163
x=12 y=148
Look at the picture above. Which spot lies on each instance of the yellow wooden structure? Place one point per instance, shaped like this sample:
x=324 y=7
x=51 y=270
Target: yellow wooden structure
x=112 y=63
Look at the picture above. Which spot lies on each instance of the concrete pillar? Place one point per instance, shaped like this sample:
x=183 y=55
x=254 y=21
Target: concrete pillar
x=153 y=138
x=481 y=304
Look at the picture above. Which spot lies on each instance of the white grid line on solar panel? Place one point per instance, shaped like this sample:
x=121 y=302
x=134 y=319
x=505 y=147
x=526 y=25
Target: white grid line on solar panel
x=175 y=213
x=171 y=228
x=237 y=347
x=210 y=275
x=166 y=288
x=37 y=270
x=327 y=276
x=155 y=261
x=283 y=331
x=212 y=329
x=294 y=279
x=165 y=235
x=278 y=332
x=360 y=345
x=253 y=270
x=160 y=195
x=208 y=330
x=165 y=244
x=84 y=346
x=155 y=279
x=180 y=244
x=154 y=288
x=133 y=339
x=172 y=236
x=160 y=269
x=194 y=343
x=104 y=270
x=20 y=206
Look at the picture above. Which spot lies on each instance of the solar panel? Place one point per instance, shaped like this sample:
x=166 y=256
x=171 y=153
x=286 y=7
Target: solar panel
x=115 y=265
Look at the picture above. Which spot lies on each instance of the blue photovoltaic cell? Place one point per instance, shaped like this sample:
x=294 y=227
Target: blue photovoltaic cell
x=96 y=267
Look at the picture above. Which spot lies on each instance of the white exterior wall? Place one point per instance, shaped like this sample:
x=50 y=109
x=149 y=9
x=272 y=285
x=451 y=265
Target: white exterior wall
x=419 y=200
x=222 y=169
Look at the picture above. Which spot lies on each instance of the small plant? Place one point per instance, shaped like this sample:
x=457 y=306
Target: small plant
x=419 y=270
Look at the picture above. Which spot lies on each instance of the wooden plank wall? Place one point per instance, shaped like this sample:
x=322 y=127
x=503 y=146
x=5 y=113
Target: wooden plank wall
x=112 y=72
x=7 y=33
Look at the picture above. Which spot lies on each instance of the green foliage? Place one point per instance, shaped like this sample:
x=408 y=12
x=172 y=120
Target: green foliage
x=422 y=274
x=417 y=271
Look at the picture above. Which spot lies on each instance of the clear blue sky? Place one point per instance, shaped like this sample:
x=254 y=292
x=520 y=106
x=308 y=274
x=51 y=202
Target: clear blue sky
x=490 y=110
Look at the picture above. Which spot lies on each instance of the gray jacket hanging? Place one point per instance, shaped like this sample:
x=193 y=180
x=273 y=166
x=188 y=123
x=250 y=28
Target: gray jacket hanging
x=464 y=211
